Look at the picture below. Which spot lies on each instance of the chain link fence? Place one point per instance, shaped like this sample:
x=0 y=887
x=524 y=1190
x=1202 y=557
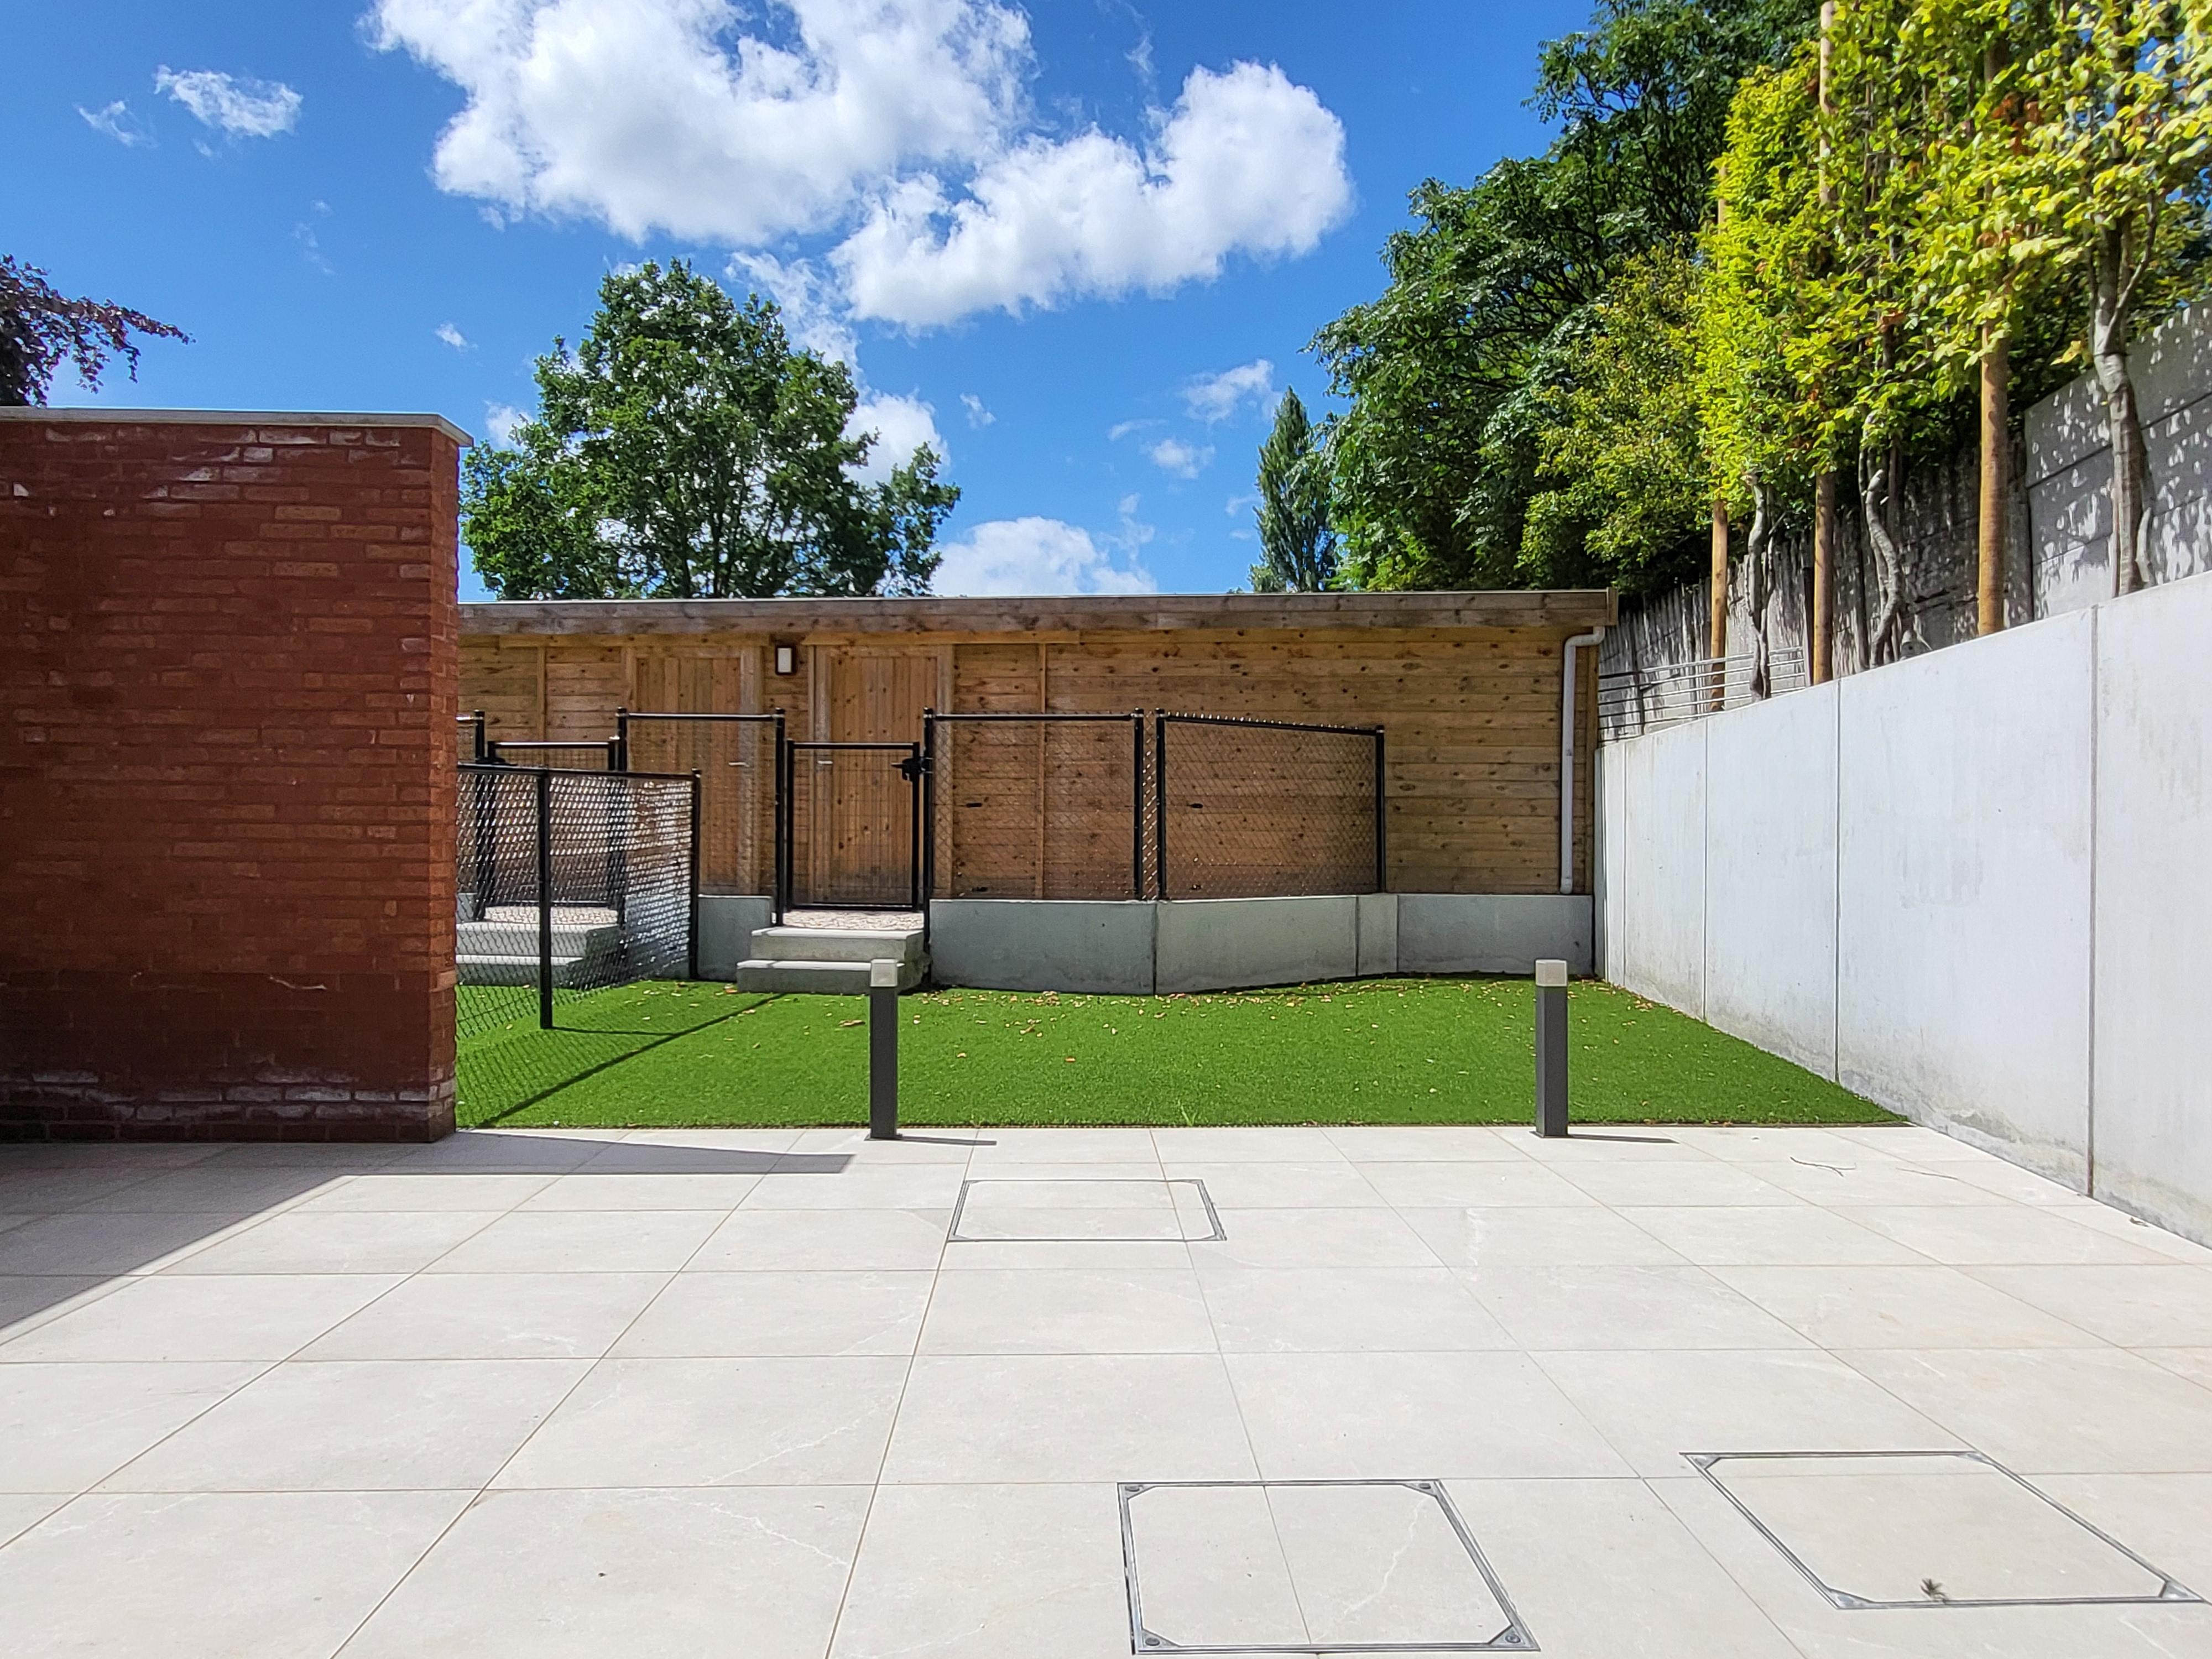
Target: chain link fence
x=1265 y=808
x=851 y=828
x=736 y=757
x=568 y=883
x=1045 y=806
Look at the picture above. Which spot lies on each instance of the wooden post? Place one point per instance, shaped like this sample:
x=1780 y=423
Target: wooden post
x=1995 y=483
x=1719 y=583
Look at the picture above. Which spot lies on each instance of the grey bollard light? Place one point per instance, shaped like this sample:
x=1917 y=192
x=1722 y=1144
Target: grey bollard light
x=1551 y=1050
x=883 y=1050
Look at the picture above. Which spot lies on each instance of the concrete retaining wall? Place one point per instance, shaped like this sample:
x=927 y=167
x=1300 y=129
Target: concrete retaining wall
x=1972 y=886
x=1112 y=948
x=725 y=931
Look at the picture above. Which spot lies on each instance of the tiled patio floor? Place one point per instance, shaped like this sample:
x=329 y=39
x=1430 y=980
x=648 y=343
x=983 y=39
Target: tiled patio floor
x=734 y=1392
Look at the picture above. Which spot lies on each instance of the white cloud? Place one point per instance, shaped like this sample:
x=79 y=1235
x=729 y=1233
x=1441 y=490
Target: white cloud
x=813 y=314
x=1215 y=398
x=242 y=107
x=500 y=420
x=1122 y=429
x=977 y=415
x=1246 y=161
x=453 y=337
x=117 y=122
x=900 y=425
x=1040 y=556
x=686 y=116
x=1184 y=461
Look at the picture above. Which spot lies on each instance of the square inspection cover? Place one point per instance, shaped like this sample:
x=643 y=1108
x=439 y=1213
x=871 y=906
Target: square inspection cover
x=1083 y=1209
x=1308 y=1566
x=1928 y=1529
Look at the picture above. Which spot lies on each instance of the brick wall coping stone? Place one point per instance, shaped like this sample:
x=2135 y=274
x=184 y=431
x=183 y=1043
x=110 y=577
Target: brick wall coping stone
x=102 y=416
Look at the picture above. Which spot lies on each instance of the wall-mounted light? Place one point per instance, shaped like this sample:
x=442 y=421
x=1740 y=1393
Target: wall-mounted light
x=787 y=659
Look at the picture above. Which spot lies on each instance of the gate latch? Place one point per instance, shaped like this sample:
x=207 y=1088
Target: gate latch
x=912 y=768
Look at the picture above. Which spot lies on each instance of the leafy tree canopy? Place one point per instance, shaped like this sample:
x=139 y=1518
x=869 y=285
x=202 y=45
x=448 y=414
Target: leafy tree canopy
x=1298 y=547
x=684 y=450
x=41 y=328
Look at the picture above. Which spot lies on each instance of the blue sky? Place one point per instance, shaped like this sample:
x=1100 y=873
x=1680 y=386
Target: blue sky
x=1082 y=244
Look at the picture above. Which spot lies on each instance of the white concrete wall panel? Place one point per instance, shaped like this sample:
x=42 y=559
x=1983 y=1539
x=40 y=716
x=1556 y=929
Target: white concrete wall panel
x=1664 y=859
x=1610 y=819
x=1963 y=873
x=1100 y=947
x=1208 y=944
x=1378 y=933
x=726 y=923
x=1493 y=933
x=1770 y=971
x=2154 y=994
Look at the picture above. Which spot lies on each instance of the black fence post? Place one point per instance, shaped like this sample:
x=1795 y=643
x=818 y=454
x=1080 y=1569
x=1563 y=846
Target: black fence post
x=1381 y=820
x=776 y=808
x=1136 y=805
x=544 y=899
x=691 y=944
x=1159 y=803
x=928 y=818
x=1551 y=1049
x=478 y=719
x=913 y=847
x=620 y=762
x=883 y=1050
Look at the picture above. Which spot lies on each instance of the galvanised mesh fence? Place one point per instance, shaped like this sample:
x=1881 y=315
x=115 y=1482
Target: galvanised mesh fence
x=1261 y=809
x=1041 y=807
x=736 y=758
x=569 y=882
x=562 y=754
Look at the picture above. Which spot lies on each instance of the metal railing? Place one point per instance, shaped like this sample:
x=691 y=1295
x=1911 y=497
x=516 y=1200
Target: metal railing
x=1034 y=805
x=1634 y=700
x=740 y=758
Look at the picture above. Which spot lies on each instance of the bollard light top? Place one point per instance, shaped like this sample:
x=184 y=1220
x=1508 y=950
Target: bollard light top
x=1551 y=973
x=883 y=974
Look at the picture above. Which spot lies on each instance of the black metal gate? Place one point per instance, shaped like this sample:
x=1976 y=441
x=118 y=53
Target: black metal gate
x=848 y=830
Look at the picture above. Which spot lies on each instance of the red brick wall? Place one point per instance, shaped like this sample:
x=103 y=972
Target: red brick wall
x=227 y=655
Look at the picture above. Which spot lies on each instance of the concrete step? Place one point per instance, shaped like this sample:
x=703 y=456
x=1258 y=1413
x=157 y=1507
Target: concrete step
x=813 y=977
x=837 y=944
x=516 y=939
x=522 y=970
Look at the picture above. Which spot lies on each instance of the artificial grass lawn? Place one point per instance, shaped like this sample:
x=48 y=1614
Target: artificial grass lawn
x=1371 y=1051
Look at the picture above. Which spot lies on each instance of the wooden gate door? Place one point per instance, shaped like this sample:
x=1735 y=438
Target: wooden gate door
x=860 y=832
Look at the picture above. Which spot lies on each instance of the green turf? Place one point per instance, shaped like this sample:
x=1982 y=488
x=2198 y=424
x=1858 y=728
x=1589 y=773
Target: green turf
x=1372 y=1051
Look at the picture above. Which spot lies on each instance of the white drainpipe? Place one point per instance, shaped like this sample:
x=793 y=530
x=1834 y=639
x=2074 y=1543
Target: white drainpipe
x=1567 y=757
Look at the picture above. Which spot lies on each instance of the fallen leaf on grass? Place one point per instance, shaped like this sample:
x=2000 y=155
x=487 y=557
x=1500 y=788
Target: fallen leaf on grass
x=842 y=1023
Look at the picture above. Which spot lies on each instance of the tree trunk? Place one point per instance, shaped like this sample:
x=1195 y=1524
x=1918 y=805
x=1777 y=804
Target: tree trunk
x=1877 y=488
x=1756 y=549
x=2108 y=354
x=1992 y=527
x=1717 y=583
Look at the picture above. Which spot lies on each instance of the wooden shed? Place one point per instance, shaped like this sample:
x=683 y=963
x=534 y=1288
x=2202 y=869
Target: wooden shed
x=1484 y=700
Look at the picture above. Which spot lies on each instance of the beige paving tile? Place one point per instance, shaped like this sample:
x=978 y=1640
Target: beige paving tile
x=493 y=1316
x=1710 y=1182
x=324 y=1159
x=1348 y=1416
x=656 y=1171
x=1382 y=1564
x=1603 y=1569
x=916 y=1187
x=717 y=1422
x=768 y=1141
x=2138 y=1307
x=386 y=1191
x=215 y=1575
x=1429 y=1143
x=1429 y=1186
x=716 y=1315
x=1779 y=1143
x=1345 y=1309
x=338 y=1241
x=1061 y=1417
x=2022 y=1186
x=21 y=1511
x=39 y=1297
x=1683 y=1307
x=824 y=1240
x=1315 y=1238
x=50 y=1189
x=1746 y=1235
x=1521 y=1237
x=114 y=1157
x=1298 y=1145
x=1119 y=1254
x=1069 y=1311
x=2166 y=1519
x=1211 y=1571
x=2195 y=1364
x=590 y=1190
x=65 y=1427
x=582 y=1240
x=2134 y=1230
x=2003 y=1234
x=516 y=1151
x=1336 y=1185
x=182 y=1317
x=1867 y=1183
x=358 y=1426
x=1612 y=1144
x=989 y=1572
x=1909 y=1143
x=215 y=1189
x=930 y=1145
x=7 y=1221
x=998 y=1146
x=2055 y=1410
x=1656 y=1407
x=1924 y=1307
x=751 y=1573
x=106 y=1243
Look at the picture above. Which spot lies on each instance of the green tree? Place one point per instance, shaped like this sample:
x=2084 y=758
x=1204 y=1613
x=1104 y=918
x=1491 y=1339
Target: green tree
x=1298 y=547
x=684 y=450
x=1458 y=372
x=40 y=327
